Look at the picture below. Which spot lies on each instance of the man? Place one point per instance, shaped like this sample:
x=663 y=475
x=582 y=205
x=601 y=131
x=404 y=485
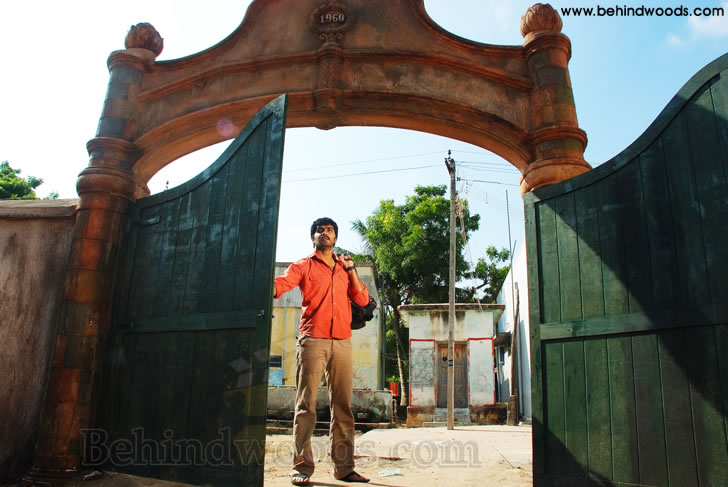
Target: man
x=327 y=282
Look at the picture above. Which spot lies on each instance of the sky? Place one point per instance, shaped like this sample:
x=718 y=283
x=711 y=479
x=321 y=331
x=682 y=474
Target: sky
x=624 y=70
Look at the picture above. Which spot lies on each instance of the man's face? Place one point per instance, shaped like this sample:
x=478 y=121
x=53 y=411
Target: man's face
x=324 y=237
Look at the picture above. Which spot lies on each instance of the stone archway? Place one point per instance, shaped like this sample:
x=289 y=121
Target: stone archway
x=352 y=62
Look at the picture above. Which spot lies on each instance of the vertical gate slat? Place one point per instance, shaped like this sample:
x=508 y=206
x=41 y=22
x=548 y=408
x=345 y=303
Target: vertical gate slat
x=679 y=435
x=262 y=288
x=167 y=258
x=210 y=283
x=590 y=266
x=663 y=262
x=568 y=252
x=176 y=368
x=637 y=251
x=650 y=417
x=555 y=428
x=535 y=316
x=575 y=413
x=200 y=202
x=712 y=191
x=180 y=271
x=232 y=229
x=598 y=409
x=686 y=214
x=198 y=415
x=126 y=252
x=548 y=261
x=719 y=93
x=611 y=245
x=151 y=252
x=129 y=410
x=710 y=441
x=624 y=429
x=721 y=343
x=248 y=236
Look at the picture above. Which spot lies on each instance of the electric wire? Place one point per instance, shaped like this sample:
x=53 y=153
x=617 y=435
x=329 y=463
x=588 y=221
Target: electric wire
x=360 y=173
x=340 y=164
x=496 y=203
x=490 y=182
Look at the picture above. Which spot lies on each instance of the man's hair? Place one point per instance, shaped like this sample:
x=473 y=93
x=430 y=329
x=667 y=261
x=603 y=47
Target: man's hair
x=324 y=221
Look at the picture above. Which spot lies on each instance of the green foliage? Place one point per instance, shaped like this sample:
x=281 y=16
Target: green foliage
x=410 y=244
x=14 y=187
x=390 y=362
x=357 y=258
x=492 y=272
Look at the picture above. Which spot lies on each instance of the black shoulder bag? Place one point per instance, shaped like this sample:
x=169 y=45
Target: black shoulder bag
x=361 y=314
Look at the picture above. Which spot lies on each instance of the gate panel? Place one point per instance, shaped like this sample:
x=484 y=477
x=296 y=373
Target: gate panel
x=184 y=388
x=627 y=288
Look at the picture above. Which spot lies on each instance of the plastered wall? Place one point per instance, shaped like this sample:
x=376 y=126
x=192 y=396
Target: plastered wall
x=35 y=241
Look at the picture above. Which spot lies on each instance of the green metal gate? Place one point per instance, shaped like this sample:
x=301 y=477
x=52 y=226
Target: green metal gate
x=628 y=289
x=184 y=384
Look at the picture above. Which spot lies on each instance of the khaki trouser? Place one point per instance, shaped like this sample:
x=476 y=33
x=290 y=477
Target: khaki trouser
x=314 y=357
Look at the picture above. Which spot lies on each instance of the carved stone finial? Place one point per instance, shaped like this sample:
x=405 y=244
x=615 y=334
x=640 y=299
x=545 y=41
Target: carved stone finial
x=144 y=36
x=540 y=17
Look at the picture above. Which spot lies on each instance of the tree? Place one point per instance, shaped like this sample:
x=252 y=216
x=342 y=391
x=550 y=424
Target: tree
x=410 y=246
x=493 y=276
x=14 y=187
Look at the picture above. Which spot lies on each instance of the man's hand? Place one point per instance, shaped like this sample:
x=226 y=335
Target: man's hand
x=347 y=262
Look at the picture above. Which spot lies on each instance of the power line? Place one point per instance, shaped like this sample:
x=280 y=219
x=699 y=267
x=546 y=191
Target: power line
x=360 y=173
x=364 y=162
x=478 y=153
x=490 y=163
x=493 y=170
x=489 y=182
x=496 y=203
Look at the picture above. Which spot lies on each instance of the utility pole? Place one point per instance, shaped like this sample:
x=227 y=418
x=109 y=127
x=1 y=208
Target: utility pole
x=513 y=413
x=450 y=164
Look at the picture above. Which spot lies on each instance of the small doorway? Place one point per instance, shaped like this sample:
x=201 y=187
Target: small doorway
x=461 y=375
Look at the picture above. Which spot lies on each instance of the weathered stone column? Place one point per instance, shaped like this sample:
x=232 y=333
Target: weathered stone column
x=558 y=142
x=105 y=188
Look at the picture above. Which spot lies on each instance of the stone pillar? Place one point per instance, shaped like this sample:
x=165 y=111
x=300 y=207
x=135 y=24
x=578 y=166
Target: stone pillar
x=106 y=187
x=330 y=21
x=557 y=141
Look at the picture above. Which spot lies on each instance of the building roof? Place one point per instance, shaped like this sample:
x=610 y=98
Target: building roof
x=445 y=307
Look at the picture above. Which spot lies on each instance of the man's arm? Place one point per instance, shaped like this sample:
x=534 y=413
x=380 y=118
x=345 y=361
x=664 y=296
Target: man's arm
x=357 y=289
x=287 y=281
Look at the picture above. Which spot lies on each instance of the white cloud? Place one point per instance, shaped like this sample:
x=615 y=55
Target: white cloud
x=714 y=26
x=674 y=40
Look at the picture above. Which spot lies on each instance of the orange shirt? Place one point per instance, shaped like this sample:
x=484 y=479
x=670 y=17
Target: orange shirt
x=326 y=310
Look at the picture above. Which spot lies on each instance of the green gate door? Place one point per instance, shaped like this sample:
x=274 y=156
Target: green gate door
x=184 y=384
x=628 y=289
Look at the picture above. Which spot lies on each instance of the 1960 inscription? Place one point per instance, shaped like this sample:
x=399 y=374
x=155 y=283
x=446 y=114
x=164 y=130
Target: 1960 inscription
x=332 y=18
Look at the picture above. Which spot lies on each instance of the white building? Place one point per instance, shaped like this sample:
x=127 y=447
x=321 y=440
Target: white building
x=515 y=281
x=475 y=378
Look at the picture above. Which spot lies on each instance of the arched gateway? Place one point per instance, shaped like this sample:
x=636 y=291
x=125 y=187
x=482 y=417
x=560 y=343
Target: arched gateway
x=161 y=357
x=352 y=62
x=376 y=63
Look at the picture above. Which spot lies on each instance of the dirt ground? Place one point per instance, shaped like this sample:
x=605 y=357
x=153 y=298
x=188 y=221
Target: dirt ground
x=398 y=457
x=401 y=457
